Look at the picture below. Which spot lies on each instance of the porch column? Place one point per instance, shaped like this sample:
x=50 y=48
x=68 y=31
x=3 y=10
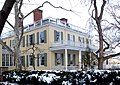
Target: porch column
x=79 y=60
x=66 y=59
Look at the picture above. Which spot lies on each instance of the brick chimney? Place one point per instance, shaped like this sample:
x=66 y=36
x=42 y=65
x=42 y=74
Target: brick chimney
x=37 y=14
x=63 y=20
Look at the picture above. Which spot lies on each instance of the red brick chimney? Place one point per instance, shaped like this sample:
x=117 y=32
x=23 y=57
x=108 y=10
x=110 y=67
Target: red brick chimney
x=37 y=14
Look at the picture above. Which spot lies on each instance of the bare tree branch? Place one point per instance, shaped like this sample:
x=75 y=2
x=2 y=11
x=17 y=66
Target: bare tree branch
x=49 y=4
x=107 y=47
x=96 y=10
x=112 y=55
x=8 y=48
x=4 y=13
x=10 y=24
x=102 y=9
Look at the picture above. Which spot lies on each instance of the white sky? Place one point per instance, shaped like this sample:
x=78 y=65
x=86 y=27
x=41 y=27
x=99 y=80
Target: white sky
x=77 y=18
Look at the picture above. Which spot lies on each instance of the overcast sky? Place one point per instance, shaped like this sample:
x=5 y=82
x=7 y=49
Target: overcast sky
x=78 y=17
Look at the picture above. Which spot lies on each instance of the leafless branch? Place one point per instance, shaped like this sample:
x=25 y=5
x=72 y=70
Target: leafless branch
x=10 y=24
x=107 y=47
x=102 y=9
x=96 y=10
x=112 y=55
x=47 y=2
x=8 y=48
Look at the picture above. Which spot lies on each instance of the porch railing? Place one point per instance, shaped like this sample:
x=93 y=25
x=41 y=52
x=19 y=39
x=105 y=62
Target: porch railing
x=72 y=43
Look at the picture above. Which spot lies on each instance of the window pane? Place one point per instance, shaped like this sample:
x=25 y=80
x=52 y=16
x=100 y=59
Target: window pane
x=37 y=37
x=31 y=39
x=27 y=61
x=31 y=60
x=42 y=60
x=3 y=59
x=58 y=59
x=11 y=60
x=7 y=59
x=38 y=60
x=43 y=37
x=23 y=60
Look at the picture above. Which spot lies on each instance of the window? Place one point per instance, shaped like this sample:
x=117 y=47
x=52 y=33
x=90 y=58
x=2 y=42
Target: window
x=27 y=61
x=71 y=59
x=3 y=60
x=58 y=36
x=71 y=37
x=12 y=43
x=59 y=59
x=23 y=60
x=31 y=39
x=42 y=59
x=38 y=60
x=23 y=42
x=87 y=41
x=7 y=60
x=41 y=37
x=81 y=39
x=31 y=60
x=11 y=60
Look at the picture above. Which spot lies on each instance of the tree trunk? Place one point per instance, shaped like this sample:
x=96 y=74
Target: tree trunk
x=100 y=55
x=4 y=13
x=17 y=39
x=100 y=63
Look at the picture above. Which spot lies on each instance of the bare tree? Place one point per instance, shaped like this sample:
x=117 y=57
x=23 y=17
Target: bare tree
x=104 y=45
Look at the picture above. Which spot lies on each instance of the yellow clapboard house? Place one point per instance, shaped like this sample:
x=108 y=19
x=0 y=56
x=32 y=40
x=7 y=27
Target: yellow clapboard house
x=58 y=45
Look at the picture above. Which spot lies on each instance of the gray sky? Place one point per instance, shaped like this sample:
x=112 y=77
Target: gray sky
x=78 y=17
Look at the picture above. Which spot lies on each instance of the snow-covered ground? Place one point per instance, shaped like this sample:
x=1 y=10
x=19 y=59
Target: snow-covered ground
x=98 y=77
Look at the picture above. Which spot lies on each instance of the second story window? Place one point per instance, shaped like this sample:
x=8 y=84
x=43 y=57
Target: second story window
x=81 y=39
x=12 y=43
x=58 y=36
x=23 y=42
x=41 y=37
x=71 y=37
x=87 y=41
x=30 y=39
